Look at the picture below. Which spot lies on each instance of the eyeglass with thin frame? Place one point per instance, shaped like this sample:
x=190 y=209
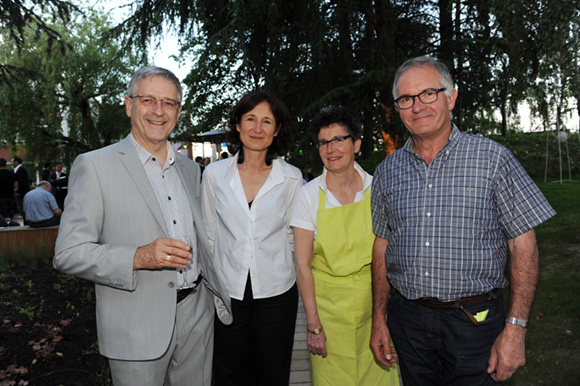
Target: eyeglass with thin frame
x=336 y=141
x=151 y=101
x=431 y=95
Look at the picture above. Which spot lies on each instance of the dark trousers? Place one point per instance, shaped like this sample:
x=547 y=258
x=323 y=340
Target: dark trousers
x=45 y=223
x=6 y=205
x=20 y=205
x=442 y=346
x=256 y=349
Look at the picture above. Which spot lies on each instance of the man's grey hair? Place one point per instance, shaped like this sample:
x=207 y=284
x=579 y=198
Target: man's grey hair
x=422 y=62
x=150 y=71
x=43 y=184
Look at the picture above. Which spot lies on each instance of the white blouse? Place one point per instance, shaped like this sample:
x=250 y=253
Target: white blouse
x=259 y=239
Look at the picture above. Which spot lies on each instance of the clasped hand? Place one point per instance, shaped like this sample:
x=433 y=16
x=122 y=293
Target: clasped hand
x=317 y=344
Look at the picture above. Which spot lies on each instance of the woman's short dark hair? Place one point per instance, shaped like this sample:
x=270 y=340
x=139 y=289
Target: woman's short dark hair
x=336 y=114
x=281 y=115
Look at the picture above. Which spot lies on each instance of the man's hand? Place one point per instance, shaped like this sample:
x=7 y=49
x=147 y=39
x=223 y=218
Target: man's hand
x=508 y=353
x=381 y=343
x=163 y=253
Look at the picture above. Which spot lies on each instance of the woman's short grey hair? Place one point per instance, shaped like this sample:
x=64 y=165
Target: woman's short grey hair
x=150 y=71
x=422 y=62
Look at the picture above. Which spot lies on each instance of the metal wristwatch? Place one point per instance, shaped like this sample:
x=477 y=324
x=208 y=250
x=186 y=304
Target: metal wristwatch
x=316 y=331
x=517 y=322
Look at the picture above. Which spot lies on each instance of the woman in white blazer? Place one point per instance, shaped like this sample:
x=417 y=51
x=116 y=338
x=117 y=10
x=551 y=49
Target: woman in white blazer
x=247 y=203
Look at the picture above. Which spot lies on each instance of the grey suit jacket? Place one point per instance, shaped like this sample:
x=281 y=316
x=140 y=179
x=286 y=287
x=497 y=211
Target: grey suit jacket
x=111 y=210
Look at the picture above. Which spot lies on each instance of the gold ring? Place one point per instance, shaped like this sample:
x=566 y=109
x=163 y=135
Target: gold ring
x=168 y=257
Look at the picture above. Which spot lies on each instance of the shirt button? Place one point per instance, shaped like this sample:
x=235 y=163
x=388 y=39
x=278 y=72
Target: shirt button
x=428 y=214
x=169 y=198
x=174 y=222
x=427 y=244
x=430 y=186
x=153 y=159
x=426 y=273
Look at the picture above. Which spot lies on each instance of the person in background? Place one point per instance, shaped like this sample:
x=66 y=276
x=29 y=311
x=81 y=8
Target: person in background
x=59 y=182
x=7 y=178
x=247 y=201
x=199 y=160
x=446 y=207
x=224 y=155
x=133 y=225
x=46 y=172
x=41 y=208
x=333 y=240
x=21 y=185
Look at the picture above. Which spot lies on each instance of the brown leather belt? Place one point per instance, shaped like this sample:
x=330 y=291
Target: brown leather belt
x=182 y=294
x=460 y=303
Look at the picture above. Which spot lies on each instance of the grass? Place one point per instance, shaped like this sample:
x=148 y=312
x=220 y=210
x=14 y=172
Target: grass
x=553 y=341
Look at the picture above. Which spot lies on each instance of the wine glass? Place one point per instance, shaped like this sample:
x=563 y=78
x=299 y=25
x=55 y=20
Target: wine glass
x=186 y=272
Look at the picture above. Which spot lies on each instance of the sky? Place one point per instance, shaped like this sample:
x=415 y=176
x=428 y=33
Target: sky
x=159 y=57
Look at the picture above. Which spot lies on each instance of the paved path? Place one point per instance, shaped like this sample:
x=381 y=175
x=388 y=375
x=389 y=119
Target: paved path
x=300 y=368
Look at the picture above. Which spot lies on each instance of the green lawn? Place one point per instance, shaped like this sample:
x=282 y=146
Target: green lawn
x=553 y=341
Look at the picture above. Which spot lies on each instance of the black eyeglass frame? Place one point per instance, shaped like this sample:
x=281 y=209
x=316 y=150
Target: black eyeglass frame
x=437 y=91
x=322 y=143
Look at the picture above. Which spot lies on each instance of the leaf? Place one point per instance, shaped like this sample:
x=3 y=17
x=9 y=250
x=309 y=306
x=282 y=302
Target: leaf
x=65 y=322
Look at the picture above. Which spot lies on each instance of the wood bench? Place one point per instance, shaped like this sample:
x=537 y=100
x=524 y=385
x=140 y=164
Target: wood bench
x=23 y=239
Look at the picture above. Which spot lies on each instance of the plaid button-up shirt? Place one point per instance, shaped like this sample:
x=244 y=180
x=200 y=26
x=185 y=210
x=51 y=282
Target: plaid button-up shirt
x=448 y=223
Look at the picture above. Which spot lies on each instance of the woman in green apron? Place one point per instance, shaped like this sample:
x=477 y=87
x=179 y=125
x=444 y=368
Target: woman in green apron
x=333 y=243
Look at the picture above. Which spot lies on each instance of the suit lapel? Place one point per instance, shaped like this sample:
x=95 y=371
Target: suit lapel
x=130 y=160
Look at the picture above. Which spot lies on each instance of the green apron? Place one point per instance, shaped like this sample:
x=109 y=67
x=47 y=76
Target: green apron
x=342 y=280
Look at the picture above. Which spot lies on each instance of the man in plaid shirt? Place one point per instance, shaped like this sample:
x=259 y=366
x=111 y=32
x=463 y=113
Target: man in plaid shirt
x=446 y=207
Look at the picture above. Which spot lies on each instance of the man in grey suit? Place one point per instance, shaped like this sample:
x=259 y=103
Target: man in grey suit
x=133 y=226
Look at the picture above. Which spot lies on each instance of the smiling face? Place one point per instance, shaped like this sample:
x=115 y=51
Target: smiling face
x=257 y=128
x=152 y=125
x=426 y=121
x=337 y=157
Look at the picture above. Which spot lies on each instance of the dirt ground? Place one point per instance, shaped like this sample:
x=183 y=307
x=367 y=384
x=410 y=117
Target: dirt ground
x=47 y=329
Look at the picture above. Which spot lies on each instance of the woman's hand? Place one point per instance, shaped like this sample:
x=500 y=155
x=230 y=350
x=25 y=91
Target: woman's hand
x=317 y=343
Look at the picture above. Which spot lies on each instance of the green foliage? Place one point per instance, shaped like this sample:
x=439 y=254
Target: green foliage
x=530 y=150
x=70 y=101
x=553 y=338
x=32 y=312
x=16 y=16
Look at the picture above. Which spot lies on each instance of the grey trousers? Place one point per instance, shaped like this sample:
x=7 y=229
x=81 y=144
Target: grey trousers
x=188 y=359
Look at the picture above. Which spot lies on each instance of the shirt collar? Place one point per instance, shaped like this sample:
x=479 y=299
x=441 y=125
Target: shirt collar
x=451 y=141
x=145 y=156
x=279 y=172
x=363 y=175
